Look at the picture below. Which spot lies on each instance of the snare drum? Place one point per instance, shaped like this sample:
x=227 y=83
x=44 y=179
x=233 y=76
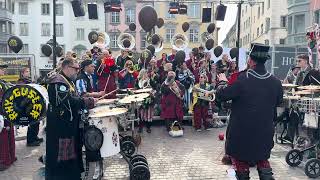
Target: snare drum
x=105 y=119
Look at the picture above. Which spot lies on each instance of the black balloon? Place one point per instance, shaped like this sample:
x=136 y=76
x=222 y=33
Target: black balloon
x=155 y=39
x=180 y=57
x=148 y=18
x=93 y=37
x=46 y=50
x=160 y=22
x=218 y=51
x=185 y=26
x=15 y=44
x=209 y=44
x=126 y=43
x=151 y=49
x=211 y=28
x=132 y=27
x=146 y=55
x=234 y=52
x=59 y=51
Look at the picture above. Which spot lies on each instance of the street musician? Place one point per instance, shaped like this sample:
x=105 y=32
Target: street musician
x=127 y=76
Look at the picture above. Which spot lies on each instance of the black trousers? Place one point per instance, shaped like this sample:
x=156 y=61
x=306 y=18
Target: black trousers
x=33 y=131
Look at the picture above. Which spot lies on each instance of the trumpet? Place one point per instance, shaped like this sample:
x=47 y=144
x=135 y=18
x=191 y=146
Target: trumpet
x=176 y=90
x=131 y=69
x=205 y=94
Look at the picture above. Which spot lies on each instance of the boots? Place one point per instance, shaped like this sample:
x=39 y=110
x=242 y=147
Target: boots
x=243 y=175
x=265 y=174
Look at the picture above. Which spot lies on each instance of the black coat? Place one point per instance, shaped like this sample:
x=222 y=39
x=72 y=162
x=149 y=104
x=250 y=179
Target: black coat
x=254 y=102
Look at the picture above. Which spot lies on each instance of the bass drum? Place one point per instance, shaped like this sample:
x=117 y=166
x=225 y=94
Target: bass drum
x=25 y=104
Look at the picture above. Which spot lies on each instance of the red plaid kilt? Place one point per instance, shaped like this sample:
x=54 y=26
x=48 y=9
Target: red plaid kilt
x=7 y=148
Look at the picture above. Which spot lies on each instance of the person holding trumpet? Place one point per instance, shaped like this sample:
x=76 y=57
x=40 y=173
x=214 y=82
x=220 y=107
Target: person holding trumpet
x=127 y=76
x=200 y=106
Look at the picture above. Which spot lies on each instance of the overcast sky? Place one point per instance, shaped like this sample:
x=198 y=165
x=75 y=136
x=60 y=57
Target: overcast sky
x=229 y=20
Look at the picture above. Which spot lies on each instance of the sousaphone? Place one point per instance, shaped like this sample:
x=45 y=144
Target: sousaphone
x=126 y=41
x=179 y=42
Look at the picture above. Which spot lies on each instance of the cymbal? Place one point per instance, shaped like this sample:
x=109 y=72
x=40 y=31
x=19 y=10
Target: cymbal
x=289 y=85
x=292 y=97
x=303 y=92
x=134 y=98
x=106 y=101
x=106 y=111
x=310 y=87
x=143 y=90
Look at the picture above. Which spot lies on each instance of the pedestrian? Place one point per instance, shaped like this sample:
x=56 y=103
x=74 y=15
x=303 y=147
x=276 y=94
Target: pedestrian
x=254 y=101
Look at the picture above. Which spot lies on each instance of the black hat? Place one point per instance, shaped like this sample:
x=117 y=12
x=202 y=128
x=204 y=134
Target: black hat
x=86 y=63
x=3 y=66
x=259 y=52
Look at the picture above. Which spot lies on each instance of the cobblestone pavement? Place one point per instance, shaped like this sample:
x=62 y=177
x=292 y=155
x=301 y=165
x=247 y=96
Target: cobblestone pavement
x=196 y=155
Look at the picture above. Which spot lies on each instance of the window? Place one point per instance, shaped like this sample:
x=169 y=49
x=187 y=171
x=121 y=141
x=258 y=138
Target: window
x=113 y=41
x=23 y=8
x=246 y=8
x=258 y=12
x=266 y=42
x=170 y=16
x=59 y=30
x=143 y=40
x=283 y=21
x=80 y=34
x=268 y=4
x=95 y=29
x=169 y=34
x=257 y=32
x=2 y=4
x=290 y=25
x=261 y=28
x=45 y=29
x=130 y=15
x=194 y=35
x=3 y=27
x=317 y=16
x=262 y=8
x=23 y=29
x=25 y=49
x=194 y=10
x=115 y=17
x=59 y=9
x=299 y=23
x=282 y=41
x=267 y=24
x=45 y=9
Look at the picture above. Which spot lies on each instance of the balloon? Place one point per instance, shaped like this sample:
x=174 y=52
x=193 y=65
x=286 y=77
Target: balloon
x=59 y=51
x=160 y=22
x=221 y=136
x=146 y=55
x=185 y=26
x=234 y=52
x=209 y=44
x=132 y=27
x=218 y=51
x=148 y=18
x=151 y=49
x=15 y=44
x=93 y=37
x=126 y=43
x=180 y=57
x=155 y=39
x=211 y=28
x=46 y=50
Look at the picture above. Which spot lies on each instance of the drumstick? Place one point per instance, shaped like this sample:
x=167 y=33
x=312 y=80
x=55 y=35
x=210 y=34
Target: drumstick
x=102 y=97
x=105 y=87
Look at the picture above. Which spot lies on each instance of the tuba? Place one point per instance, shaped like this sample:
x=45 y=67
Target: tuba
x=103 y=40
x=156 y=41
x=202 y=94
x=179 y=42
x=126 y=41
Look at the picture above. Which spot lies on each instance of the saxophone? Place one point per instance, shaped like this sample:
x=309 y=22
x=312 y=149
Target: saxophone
x=202 y=94
x=175 y=89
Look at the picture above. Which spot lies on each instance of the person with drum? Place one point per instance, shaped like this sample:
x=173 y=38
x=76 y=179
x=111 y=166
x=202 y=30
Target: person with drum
x=7 y=141
x=33 y=130
x=255 y=97
x=63 y=133
x=305 y=68
x=84 y=82
x=171 y=100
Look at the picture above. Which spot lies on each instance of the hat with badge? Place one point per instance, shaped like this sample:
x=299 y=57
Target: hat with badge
x=259 y=52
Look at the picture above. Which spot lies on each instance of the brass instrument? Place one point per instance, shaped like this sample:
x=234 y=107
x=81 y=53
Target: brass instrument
x=202 y=94
x=179 y=42
x=123 y=39
x=176 y=90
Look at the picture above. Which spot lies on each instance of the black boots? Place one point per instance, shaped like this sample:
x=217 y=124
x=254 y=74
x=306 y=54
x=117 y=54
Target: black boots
x=243 y=175
x=265 y=174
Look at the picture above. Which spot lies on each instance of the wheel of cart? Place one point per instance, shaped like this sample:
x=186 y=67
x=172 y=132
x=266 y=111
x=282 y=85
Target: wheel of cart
x=312 y=168
x=138 y=167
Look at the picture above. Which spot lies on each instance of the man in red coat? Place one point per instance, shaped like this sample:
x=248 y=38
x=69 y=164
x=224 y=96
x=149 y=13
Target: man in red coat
x=172 y=100
x=7 y=141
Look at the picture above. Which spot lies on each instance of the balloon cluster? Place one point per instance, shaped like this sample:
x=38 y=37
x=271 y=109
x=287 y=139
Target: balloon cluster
x=47 y=49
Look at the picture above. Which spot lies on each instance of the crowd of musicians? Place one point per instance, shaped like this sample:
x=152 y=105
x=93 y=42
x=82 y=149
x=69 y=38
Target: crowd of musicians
x=76 y=84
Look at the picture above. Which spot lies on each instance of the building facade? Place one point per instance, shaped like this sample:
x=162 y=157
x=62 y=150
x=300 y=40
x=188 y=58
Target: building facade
x=6 y=23
x=34 y=25
x=265 y=22
x=299 y=19
x=173 y=24
x=315 y=8
x=231 y=37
